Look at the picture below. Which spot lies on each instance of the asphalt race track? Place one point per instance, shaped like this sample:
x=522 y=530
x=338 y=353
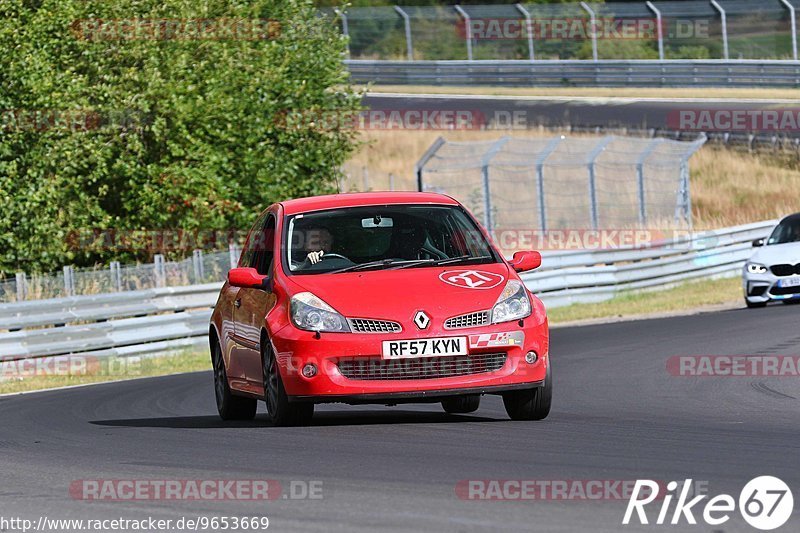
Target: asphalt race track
x=618 y=415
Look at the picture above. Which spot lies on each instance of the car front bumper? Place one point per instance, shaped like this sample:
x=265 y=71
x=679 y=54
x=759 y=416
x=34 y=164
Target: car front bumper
x=761 y=288
x=295 y=349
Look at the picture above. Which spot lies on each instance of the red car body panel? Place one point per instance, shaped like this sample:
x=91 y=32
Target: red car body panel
x=394 y=295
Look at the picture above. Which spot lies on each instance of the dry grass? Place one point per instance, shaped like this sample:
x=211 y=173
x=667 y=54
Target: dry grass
x=599 y=92
x=729 y=187
x=12 y=381
x=686 y=297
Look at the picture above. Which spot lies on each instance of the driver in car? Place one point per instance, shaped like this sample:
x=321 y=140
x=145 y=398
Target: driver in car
x=317 y=241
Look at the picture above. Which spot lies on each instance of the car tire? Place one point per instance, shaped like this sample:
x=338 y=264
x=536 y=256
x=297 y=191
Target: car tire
x=280 y=410
x=229 y=406
x=462 y=404
x=530 y=404
x=754 y=305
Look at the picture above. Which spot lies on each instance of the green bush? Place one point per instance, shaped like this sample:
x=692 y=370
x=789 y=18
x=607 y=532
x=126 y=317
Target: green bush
x=174 y=134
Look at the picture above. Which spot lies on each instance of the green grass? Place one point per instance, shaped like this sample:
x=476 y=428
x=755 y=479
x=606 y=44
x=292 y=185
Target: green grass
x=685 y=297
x=100 y=370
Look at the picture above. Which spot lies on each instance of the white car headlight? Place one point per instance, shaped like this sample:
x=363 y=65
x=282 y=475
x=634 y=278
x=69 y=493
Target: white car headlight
x=756 y=268
x=311 y=313
x=512 y=304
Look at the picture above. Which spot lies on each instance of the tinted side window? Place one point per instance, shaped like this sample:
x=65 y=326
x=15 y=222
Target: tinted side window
x=264 y=247
x=248 y=252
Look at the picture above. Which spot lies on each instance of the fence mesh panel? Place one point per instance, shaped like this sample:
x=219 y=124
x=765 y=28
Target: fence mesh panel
x=567 y=183
x=208 y=268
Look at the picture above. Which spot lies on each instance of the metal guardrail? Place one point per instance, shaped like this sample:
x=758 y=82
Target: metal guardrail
x=584 y=277
x=585 y=73
x=159 y=320
x=120 y=324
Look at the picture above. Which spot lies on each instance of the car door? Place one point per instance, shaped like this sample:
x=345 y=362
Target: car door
x=252 y=304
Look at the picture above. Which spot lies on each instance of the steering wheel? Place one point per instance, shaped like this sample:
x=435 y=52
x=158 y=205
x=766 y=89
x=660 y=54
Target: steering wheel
x=339 y=256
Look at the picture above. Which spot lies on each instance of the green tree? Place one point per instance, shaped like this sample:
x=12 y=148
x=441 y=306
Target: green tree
x=176 y=133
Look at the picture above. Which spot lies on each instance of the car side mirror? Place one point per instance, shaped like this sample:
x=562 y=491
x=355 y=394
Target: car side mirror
x=247 y=278
x=526 y=260
x=758 y=242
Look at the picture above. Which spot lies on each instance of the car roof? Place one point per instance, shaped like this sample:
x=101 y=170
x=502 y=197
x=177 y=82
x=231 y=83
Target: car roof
x=357 y=199
x=790 y=218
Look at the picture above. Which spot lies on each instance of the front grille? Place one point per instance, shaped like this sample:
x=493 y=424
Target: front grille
x=469 y=320
x=785 y=269
x=366 y=325
x=780 y=291
x=420 y=368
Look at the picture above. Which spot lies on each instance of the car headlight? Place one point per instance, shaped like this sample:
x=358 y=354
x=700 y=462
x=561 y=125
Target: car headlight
x=756 y=268
x=309 y=312
x=512 y=304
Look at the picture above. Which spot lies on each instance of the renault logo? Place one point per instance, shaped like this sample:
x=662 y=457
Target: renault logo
x=422 y=320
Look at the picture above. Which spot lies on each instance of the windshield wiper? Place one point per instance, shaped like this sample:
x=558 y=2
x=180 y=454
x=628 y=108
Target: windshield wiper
x=445 y=261
x=381 y=263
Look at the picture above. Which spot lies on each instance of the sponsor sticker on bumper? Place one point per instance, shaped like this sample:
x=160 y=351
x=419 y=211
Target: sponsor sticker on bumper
x=488 y=340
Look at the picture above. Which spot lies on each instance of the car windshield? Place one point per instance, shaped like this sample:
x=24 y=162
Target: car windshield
x=383 y=237
x=786 y=231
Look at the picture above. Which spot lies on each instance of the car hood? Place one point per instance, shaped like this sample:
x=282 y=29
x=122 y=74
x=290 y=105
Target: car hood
x=775 y=254
x=441 y=292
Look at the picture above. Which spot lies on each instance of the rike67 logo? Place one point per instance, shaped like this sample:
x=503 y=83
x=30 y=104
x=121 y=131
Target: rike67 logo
x=766 y=503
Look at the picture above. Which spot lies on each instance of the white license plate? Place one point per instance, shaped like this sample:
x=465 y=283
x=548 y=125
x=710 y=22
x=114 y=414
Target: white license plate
x=790 y=282
x=425 y=348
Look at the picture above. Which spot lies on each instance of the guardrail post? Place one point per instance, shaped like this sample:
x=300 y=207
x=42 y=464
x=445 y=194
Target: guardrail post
x=540 y=160
x=529 y=28
x=468 y=25
x=407 y=24
x=596 y=151
x=391 y=181
x=593 y=30
x=640 y=178
x=685 y=197
x=724 y=19
x=420 y=166
x=69 y=281
x=197 y=265
x=659 y=29
x=790 y=7
x=22 y=286
x=365 y=178
x=345 y=29
x=158 y=270
x=233 y=254
x=487 y=193
x=116 y=275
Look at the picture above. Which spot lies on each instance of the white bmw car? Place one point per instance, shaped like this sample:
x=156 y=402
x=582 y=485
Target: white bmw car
x=773 y=271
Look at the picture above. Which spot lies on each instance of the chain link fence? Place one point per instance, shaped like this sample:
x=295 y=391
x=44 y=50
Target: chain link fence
x=565 y=183
x=200 y=268
x=690 y=29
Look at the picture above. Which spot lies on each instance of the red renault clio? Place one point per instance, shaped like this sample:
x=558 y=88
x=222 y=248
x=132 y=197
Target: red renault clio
x=377 y=298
